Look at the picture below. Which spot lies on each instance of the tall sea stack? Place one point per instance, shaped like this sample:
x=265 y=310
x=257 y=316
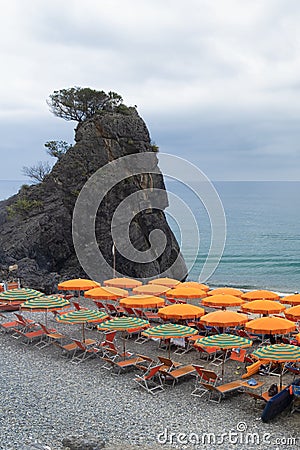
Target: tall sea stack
x=36 y=224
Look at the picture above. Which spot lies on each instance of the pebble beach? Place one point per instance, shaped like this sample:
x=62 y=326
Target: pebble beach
x=45 y=398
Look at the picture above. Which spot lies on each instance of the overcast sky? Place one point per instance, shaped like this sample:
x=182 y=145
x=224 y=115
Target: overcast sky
x=216 y=81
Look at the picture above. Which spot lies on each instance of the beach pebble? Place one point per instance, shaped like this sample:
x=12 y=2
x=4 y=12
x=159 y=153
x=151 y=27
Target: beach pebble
x=46 y=400
x=36 y=446
x=83 y=443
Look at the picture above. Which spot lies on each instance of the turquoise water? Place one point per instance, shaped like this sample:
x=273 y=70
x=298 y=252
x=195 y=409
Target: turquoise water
x=263 y=235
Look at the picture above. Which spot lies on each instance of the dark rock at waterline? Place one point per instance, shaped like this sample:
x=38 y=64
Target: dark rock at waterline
x=36 y=224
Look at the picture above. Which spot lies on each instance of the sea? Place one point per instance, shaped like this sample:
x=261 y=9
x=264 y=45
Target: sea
x=262 y=246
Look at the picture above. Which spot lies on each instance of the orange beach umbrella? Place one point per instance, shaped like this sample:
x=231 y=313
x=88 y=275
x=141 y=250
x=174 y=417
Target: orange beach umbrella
x=142 y=301
x=260 y=295
x=107 y=293
x=263 y=307
x=224 y=319
x=226 y=290
x=195 y=284
x=124 y=283
x=151 y=289
x=270 y=325
x=223 y=300
x=291 y=299
x=185 y=293
x=77 y=284
x=169 y=282
x=181 y=311
x=293 y=313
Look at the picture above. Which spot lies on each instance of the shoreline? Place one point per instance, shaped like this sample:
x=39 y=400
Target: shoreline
x=46 y=398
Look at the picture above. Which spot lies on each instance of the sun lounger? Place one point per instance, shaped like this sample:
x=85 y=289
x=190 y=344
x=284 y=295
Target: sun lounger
x=238 y=354
x=219 y=358
x=201 y=329
x=245 y=334
x=11 y=325
x=151 y=315
x=112 y=310
x=85 y=352
x=217 y=393
x=295 y=391
x=110 y=354
x=275 y=369
x=207 y=352
x=141 y=339
x=100 y=306
x=129 y=311
x=32 y=336
x=264 y=397
x=68 y=350
x=51 y=335
x=168 y=364
x=146 y=362
x=189 y=345
x=293 y=369
x=151 y=380
x=174 y=301
x=28 y=324
x=176 y=374
x=109 y=343
x=206 y=376
x=119 y=366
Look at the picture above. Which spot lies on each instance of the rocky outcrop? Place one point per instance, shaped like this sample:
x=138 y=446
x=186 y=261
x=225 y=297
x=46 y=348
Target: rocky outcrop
x=36 y=224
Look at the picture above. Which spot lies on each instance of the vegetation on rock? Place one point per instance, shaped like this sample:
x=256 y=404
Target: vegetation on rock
x=57 y=148
x=22 y=207
x=38 y=172
x=82 y=103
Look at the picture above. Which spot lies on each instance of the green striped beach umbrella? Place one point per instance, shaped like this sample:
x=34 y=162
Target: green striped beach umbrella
x=20 y=294
x=46 y=303
x=123 y=324
x=82 y=316
x=280 y=353
x=224 y=342
x=169 y=331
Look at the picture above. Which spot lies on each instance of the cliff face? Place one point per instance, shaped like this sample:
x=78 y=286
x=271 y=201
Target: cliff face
x=36 y=224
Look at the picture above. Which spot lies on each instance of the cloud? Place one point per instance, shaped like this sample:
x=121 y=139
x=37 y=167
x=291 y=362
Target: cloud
x=204 y=73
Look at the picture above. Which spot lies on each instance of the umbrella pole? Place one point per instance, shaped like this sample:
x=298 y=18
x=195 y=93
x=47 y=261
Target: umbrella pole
x=281 y=374
x=83 y=333
x=124 y=346
x=169 y=348
x=223 y=364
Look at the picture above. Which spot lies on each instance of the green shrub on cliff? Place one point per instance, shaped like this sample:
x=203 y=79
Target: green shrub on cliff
x=82 y=103
x=57 y=148
x=22 y=207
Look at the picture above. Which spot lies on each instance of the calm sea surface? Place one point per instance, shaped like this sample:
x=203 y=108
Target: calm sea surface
x=263 y=233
